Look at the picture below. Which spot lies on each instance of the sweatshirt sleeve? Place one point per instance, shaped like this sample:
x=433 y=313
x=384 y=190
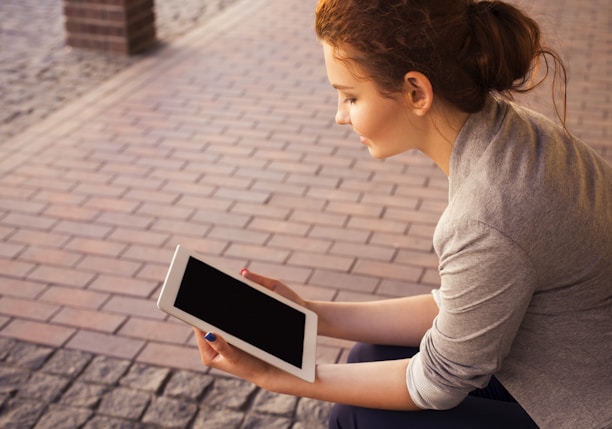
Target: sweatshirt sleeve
x=486 y=285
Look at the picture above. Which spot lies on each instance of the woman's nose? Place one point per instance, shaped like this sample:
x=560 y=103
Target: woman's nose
x=342 y=116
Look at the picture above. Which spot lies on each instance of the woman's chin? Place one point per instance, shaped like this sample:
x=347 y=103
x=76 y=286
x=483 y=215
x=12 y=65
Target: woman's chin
x=375 y=153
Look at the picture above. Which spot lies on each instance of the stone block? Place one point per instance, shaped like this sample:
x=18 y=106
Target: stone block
x=84 y=395
x=312 y=413
x=145 y=377
x=220 y=418
x=11 y=379
x=19 y=413
x=105 y=370
x=120 y=26
x=230 y=393
x=28 y=355
x=43 y=387
x=274 y=403
x=124 y=403
x=170 y=413
x=187 y=384
x=67 y=362
x=63 y=417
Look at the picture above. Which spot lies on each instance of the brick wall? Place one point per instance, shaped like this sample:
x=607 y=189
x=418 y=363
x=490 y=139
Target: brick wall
x=120 y=26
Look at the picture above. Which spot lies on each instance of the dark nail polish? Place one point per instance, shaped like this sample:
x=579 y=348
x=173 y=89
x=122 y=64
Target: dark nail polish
x=210 y=337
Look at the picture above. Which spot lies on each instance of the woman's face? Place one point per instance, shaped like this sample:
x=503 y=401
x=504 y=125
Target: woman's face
x=383 y=124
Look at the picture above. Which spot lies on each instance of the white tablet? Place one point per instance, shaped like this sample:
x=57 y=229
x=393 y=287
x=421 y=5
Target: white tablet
x=244 y=313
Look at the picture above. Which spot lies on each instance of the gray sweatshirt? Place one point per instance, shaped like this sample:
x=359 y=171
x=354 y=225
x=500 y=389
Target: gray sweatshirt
x=525 y=248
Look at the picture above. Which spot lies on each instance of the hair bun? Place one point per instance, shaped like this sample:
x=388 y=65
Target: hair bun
x=481 y=7
x=501 y=47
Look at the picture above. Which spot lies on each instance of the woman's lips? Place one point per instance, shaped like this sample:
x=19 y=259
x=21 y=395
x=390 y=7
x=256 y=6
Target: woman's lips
x=363 y=140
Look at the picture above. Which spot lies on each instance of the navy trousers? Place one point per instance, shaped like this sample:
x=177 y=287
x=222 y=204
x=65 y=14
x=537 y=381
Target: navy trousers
x=489 y=408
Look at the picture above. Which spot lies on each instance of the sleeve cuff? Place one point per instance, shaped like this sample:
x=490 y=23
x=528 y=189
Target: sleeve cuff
x=425 y=394
x=436 y=296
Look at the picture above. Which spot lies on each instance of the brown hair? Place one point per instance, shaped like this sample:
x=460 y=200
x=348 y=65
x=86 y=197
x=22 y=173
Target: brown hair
x=466 y=48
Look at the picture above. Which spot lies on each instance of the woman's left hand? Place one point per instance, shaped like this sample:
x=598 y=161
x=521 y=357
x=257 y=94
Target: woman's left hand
x=216 y=353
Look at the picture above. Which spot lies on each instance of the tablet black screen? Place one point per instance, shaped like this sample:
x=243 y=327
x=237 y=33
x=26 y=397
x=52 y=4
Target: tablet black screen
x=242 y=311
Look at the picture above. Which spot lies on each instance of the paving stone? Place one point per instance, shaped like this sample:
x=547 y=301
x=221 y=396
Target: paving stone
x=12 y=379
x=145 y=377
x=28 y=355
x=6 y=344
x=170 y=413
x=20 y=413
x=63 y=417
x=123 y=402
x=84 y=395
x=256 y=421
x=274 y=403
x=43 y=387
x=313 y=413
x=210 y=418
x=67 y=362
x=105 y=370
x=103 y=422
x=230 y=393
x=187 y=384
x=309 y=425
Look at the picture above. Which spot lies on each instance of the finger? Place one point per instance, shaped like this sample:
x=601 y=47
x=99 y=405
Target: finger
x=226 y=357
x=218 y=344
x=266 y=282
x=199 y=336
x=233 y=360
x=207 y=353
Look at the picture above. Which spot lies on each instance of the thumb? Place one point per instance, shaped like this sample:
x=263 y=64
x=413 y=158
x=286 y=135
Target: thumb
x=211 y=346
x=220 y=346
x=215 y=342
x=210 y=337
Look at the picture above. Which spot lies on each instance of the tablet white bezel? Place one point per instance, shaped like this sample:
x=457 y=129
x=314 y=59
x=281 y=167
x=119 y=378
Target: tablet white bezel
x=166 y=303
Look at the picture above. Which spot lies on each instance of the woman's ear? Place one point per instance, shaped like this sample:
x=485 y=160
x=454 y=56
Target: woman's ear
x=419 y=92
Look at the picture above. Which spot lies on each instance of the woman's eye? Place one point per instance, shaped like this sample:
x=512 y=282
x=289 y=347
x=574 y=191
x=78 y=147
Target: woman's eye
x=350 y=100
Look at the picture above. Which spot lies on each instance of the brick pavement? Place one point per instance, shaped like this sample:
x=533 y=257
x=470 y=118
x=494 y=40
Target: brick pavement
x=224 y=141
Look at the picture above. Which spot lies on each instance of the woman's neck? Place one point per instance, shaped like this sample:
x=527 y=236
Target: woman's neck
x=444 y=126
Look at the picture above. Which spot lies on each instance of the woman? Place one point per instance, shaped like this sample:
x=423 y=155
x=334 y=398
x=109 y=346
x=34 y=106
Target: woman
x=519 y=332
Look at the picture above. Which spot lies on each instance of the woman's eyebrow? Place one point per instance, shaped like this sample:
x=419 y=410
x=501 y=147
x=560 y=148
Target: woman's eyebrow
x=341 y=87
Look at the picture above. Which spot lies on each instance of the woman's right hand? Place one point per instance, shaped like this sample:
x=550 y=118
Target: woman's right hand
x=275 y=286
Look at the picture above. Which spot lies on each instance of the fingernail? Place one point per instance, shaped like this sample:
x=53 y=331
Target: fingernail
x=210 y=337
x=244 y=271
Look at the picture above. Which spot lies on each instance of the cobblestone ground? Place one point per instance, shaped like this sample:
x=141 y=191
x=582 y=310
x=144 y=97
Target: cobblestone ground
x=44 y=388
x=39 y=73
